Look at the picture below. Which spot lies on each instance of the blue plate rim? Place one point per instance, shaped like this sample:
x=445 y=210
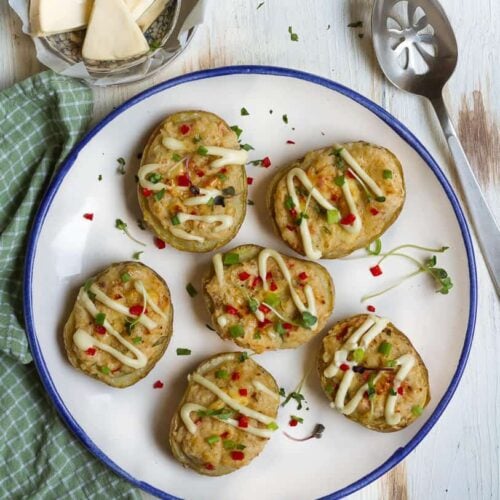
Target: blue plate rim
x=391 y=121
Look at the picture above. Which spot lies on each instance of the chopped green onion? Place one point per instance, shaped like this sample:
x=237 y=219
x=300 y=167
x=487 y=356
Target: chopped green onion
x=307 y=320
x=100 y=318
x=285 y=118
x=280 y=330
x=176 y=157
x=237 y=130
x=99 y=177
x=197 y=138
x=340 y=180
x=202 y=150
x=377 y=247
x=88 y=284
x=154 y=177
x=390 y=363
x=243 y=356
x=221 y=374
x=247 y=147
x=358 y=355
x=244 y=112
x=191 y=290
x=272 y=299
x=137 y=340
x=387 y=174
x=213 y=439
x=211 y=202
x=392 y=392
x=385 y=348
x=181 y=351
x=257 y=336
x=332 y=216
x=380 y=199
x=272 y=426
x=300 y=420
x=228 y=444
x=231 y=258
x=229 y=191
x=175 y=220
x=417 y=410
x=137 y=255
x=236 y=331
x=105 y=370
x=125 y=277
x=253 y=304
x=289 y=203
x=222 y=177
x=221 y=413
x=159 y=194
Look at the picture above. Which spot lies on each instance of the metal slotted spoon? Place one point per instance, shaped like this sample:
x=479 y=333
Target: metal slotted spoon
x=417 y=51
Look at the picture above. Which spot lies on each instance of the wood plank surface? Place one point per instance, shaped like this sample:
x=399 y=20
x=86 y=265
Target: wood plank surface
x=460 y=457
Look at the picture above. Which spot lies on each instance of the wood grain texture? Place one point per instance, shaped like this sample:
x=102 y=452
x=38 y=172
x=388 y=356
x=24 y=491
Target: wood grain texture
x=460 y=457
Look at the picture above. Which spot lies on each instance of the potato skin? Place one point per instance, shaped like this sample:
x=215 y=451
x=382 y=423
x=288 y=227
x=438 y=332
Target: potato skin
x=416 y=385
x=194 y=451
x=236 y=290
x=153 y=343
x=157 y=214
x=333 y=240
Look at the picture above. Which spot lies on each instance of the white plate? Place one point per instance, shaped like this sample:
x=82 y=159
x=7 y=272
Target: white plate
x=128 y=428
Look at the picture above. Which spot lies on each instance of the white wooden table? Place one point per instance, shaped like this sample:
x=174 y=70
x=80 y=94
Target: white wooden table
x=460 y=456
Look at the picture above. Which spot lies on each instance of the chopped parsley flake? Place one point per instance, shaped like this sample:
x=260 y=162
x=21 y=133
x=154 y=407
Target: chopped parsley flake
x=293 y=36
x=176 y=157
x=237 y=130
x=221 y=374
x=159 y=194
x=202 y=151
x=137 y=255
x=247 y=147
x=121 y=166
x=137 y=340
x=260 y=5
x=285 y=118
x=99 y=177
x=191 y=290
x=244 y=112
x=181 y=351
x=105 y=370
x=236 y=331
x=125 y=277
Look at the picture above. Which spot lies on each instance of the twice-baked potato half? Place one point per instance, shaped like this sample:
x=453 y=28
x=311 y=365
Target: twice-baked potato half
x=226 y=416
x=372 y=373
x=337 y=199
x=192 y=184
x=120 y=325
x=264 y=300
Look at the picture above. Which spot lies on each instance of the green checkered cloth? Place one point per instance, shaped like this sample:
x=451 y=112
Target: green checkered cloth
x=41 y=119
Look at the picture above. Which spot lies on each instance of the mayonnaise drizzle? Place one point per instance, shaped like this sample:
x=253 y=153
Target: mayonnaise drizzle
x=188 y=408
x=218 y=268
x=184 y=235
x=83 y=340
x=362 y=337
x=222 y=321
x=120 y=308
x=139 y=286
x=227 y=156
x=263 y=388
x=173 y=144
x=226 y=221
x=308 y=291
x=144 y=171
x=232 y=403
x=206 y=196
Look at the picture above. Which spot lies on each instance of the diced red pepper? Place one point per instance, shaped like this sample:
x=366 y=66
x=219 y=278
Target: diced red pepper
x=99 y=329
x=293 y=423
x=160 y=243
x=146 y=192
x=223 y=170
x=235 y=376
x=88 y=216
x=344 y=367
x=273 y=286
x=256 y=281
x=374 y=211
x=237 y=455
x=232 y=310
x=200 y=173
x=263 y=324
x=303 y=276
x=225 y=435
x=136 y=310
x=334 y=197
x=117 y=296
x=371 y=308
x=348 y=220
x=350 y=175
x=243 y=276
x=400 y=390
x=266 y=162
x=376 y=270
x=209 y=467
x=158 y=384
x=184 y=129
x=291 y=228
x=90 y=351
x=287 y=326
x=243 y=392
x=249 y=181
x=243 y=422
x=293 y=213
x=269 y=275
x=263 y=308
x=183 y=180
x=290 y=142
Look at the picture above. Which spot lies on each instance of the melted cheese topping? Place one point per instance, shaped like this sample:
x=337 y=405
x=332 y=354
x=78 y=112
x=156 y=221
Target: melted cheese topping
x=362 y=337
x=308 y=291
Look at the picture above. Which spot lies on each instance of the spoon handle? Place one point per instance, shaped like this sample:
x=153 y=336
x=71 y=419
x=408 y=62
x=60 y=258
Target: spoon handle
x=486 y=228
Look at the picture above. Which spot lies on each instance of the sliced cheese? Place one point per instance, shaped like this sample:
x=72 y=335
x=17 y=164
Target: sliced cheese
x=151 y=14
x=112 y=33
x=48 y=17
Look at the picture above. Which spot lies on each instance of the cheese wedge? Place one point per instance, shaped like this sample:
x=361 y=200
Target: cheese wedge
x=151 y=14
x=112 y=33
x=48 y=17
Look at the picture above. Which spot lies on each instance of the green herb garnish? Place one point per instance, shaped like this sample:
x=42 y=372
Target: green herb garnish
x=387 y=174
x=100 y=318
x=390 y=363
x=181 y=351
x=105 y=370
x=417 y=410
x=175 y=220
x=202 y=151
x=289 y=203
x=285 y=118
x=122 y=226
x=272 y=299
x=300 y=420
x=154 y=45
x=243 y=357
x=385 y=348
x=358 y=355
x=236 y=331
x=99 y=177
x=191 y=290
x=237 y=130
x=222 y=413
x=137 y=255
x=340 y=180
x=307 y=320
x=253 y=304
x=392 y=392
x=176 y=157
x=244 y=112
x=222 y=177
x=293 y=36
x=229 y=191
x=159 y=194
x=221 y=374
x=332 y=216
x=380 y=199
x=247 y=147
x=375 y=247
x=231 y=258
x=260 y=5
x=228 y=444
x=213 y=439
x=125 y=277
x=280 y=330
x=257 y=336
x=154 y=177
x=137 y=340
x=121 y=166
x=273 y=426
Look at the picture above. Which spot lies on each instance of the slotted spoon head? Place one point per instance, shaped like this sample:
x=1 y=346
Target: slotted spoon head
x=414 y=44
